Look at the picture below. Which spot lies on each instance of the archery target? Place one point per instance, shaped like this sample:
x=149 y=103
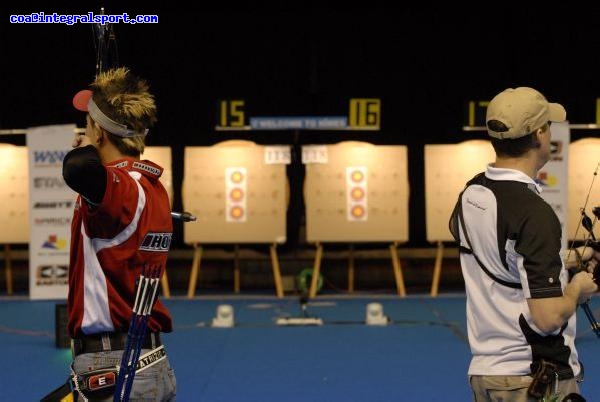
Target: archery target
x=356 y=191
x=14 y=194
x=162 y=157
x=448 y=167
x=237 y=193
x=583 y=185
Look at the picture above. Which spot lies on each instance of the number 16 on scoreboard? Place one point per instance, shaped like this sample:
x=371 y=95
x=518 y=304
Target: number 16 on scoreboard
x=364 y=113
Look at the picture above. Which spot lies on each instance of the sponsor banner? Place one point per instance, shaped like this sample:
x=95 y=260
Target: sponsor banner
x=553 y=177
x=51 y=210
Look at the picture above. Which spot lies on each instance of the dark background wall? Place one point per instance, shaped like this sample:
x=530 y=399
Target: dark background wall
x=424 y=64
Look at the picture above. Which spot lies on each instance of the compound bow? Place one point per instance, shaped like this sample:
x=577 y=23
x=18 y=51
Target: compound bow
x=590 y=241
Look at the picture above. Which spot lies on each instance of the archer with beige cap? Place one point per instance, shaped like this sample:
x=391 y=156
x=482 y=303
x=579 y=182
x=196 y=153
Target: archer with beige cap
x=521 y=302
x=517 y=112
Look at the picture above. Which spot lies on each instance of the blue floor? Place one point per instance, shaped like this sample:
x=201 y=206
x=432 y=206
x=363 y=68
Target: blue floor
x=422 y=355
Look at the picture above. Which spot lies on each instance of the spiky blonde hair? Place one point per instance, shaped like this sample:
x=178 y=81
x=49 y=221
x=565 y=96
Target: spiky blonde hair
x=126 y=99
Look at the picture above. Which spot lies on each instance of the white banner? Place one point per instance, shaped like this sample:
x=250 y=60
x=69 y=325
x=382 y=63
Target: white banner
x=51 y=205
x=553 y=177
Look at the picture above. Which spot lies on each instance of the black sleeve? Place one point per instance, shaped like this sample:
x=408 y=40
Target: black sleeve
x=84 y=173
x=540 y=243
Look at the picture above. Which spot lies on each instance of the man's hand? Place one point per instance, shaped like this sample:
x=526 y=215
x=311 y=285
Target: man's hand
x=582 y=258
x=587 y=286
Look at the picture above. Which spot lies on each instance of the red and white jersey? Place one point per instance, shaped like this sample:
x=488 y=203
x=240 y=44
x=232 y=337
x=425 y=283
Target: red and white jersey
x=110 y=244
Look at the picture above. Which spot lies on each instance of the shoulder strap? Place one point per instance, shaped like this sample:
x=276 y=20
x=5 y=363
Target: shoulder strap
x=469 y=250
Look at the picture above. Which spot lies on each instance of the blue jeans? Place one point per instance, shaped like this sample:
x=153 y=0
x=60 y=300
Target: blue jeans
x=154 y=384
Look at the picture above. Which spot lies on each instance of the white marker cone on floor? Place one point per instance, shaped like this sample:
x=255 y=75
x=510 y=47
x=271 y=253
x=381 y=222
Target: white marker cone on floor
x=224 y=318
x=375 y=315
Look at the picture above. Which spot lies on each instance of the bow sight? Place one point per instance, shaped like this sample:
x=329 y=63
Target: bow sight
x=105 y=42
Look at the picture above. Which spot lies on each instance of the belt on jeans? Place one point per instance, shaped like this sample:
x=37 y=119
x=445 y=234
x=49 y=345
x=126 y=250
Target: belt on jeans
x=110 y=341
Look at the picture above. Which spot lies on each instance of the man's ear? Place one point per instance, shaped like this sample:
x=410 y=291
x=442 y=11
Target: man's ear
x=99 y=136
x=536 y=140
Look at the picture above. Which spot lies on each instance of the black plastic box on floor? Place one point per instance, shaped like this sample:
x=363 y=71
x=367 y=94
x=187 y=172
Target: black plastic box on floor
x=60 y=326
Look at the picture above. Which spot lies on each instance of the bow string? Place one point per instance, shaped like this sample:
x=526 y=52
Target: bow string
x=590 y=241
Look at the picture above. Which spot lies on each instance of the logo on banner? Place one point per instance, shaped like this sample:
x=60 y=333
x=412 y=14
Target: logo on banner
x=52 y=275
x=51 y=182
x=53 y=205
x=52 y=221
x=545 y=179
x=235 y=194
x=356 y=194
x=556 y=150
x=55 y=243
x=48 y=157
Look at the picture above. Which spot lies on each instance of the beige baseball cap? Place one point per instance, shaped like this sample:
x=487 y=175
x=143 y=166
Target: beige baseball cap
x=516 y=112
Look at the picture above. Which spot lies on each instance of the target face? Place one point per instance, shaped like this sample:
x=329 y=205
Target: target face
x=356 y=194
x=236 y=190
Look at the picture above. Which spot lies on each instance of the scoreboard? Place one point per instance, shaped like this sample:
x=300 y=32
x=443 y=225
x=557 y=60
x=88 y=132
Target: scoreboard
x=362 y=114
